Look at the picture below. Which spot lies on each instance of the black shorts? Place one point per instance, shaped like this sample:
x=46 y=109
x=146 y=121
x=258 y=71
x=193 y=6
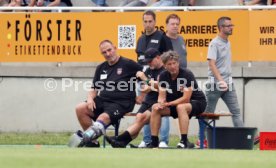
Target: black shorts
x=198 y=107
x=115 y=109
x=144 y=107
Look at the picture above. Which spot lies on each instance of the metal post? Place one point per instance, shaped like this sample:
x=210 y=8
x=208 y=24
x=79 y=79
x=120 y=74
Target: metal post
x=201 y=131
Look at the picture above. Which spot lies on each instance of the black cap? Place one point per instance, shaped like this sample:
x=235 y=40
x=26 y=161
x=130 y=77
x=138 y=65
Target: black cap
x=150 y=54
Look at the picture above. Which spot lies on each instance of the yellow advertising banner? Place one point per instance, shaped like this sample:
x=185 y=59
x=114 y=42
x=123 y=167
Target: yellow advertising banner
x=198 y=28
x=74 y=37
x=51 y=37
x=262 y=36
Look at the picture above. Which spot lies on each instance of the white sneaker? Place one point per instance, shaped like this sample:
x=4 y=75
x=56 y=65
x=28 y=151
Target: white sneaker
x=163 y=144
x=142 y=144
x=75 y=139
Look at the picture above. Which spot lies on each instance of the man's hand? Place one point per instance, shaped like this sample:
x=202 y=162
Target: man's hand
x=161 y=106
x=141 y=75
x=222 y=85
x=91 y=105
x=145 y=89
x=166 y=104
x=152 y=82
x=139 y=99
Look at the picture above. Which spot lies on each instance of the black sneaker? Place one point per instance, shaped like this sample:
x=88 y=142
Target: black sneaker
x=89 y=144
x=115 y=143
x=150 y=145
x=181 y=145
x=92 y=144
x=190 y=145
x=133 y=146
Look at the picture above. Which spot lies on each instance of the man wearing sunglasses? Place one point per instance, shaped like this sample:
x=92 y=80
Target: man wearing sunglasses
x=220 y=83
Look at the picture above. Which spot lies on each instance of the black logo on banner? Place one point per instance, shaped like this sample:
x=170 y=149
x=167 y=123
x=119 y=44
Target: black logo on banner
x=45 y=34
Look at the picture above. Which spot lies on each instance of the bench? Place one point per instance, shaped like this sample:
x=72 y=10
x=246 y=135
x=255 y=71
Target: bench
x=211 y=123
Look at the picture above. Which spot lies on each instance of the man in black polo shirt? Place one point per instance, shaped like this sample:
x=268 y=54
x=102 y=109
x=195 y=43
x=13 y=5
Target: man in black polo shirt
x=179 y=97
x=112 y=94
x=150 y=86
x=152 y=38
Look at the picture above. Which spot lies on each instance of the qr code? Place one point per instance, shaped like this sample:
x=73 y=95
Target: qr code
x=127 y=36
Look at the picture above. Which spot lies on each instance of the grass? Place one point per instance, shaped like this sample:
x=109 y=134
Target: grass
x=44 y=157
x=34 y=138
x=55 y=139
x=46 y=138
x=46 y=150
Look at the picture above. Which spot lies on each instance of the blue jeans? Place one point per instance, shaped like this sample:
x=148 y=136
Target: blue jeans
x=213 y=93
x=164 y=131
x=166 y=3
x=100 y=2
x=230 y=99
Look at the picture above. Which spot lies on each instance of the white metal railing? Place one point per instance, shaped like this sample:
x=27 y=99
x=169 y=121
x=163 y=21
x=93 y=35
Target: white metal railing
x=121 y=9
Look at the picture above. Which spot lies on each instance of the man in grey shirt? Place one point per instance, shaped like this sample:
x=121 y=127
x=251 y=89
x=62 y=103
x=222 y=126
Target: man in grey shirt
x=220 y=83
x=219 y=72
x=178 y=43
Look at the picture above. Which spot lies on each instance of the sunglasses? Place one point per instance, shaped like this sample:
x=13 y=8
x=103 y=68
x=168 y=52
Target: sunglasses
x=231 y=25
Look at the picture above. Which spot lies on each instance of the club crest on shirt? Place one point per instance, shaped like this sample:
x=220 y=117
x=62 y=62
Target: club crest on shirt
x=119 y=71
